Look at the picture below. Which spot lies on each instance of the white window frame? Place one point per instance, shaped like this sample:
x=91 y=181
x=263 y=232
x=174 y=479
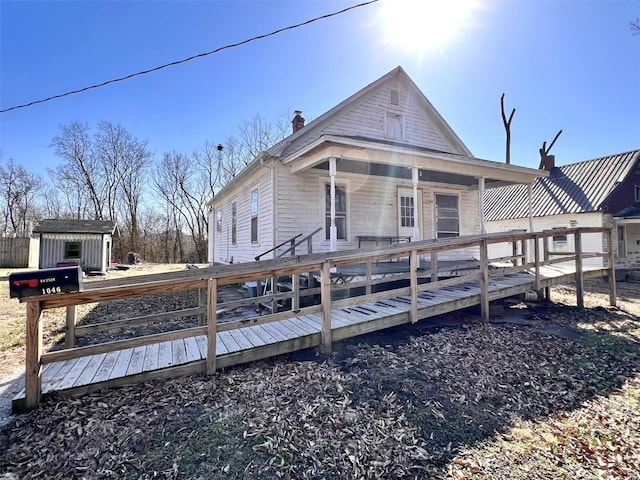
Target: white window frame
x=255 y=215
x=435 y=213
x=219 y=219
x=342 y=183
x=234 y=223
x=391 y=119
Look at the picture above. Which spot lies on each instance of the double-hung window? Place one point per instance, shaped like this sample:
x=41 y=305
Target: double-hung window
x=341 y=211
x=254 y=216
x=234 y=223
x=219 y=220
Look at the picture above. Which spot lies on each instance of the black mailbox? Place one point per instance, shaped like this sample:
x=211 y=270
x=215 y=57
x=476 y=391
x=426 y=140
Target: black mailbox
x=45 y=282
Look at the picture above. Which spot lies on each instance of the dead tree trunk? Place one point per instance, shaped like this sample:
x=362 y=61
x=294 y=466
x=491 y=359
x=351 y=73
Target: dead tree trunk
x=507 y=127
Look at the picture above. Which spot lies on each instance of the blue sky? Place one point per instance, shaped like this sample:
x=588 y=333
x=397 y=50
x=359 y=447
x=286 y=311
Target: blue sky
x=565 y=64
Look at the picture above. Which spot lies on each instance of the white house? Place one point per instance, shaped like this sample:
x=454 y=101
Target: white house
x=603 y=192
x=381 y=166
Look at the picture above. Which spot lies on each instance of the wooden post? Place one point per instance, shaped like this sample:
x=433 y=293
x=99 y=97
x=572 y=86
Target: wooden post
x=579 y=276
x=274 y=290
x=484 y=280
x=611 y=274
x=70 y=333
x=545 y=246
x=202 y=302
x=295 y=285
x=325 y=296
x=212 y=301
x=514 y=252
x=413 y=266
x=33 y=372
x=369 y=273
x=434 y=266
x=523 y=247
x=536 y=259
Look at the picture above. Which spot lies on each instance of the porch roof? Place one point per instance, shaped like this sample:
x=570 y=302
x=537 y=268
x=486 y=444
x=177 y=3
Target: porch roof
x=393 y=159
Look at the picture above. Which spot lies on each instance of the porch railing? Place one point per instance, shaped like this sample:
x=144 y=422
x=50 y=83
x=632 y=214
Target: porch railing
x=327 y=295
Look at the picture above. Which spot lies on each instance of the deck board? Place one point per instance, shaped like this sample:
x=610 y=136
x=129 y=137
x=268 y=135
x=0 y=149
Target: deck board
x=122 y=364
x=137 y=360
x=179 y=352
x=165 y=354
x=193 y=351
x=279 y=336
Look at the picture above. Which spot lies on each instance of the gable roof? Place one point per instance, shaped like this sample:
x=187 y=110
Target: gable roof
x=443 y=146
x=288 y=146
x=76 y=226
x=575 y=188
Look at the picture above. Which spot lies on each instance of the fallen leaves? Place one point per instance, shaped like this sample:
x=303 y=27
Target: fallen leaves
x=480 y=401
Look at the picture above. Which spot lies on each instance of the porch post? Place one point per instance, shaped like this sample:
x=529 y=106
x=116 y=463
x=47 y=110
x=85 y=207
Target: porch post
x=483 y=227
x=530 y=200
x=333 y=230
x=416 y=209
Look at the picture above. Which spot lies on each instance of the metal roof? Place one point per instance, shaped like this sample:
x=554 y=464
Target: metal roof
x=575 y=188
x=75 y=226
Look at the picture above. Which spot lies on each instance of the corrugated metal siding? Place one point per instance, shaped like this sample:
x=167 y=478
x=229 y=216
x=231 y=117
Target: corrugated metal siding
x=591 y=242
x=52 y=250
x=576 y=188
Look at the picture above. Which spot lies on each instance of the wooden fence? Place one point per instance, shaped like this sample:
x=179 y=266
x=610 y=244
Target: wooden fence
x=328 y=295
x=19 y=252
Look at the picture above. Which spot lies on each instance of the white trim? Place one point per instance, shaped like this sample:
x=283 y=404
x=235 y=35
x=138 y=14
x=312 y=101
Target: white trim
x=343 y=183
x=451 y=193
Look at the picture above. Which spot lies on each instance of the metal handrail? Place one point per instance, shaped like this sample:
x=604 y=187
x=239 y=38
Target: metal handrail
x=277 y=246
x=292 y=247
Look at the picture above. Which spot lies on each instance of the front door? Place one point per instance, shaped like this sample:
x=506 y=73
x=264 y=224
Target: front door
x=622 y=247
x=408 y=216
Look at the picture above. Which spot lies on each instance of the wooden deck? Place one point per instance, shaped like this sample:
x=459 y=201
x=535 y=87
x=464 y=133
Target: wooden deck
x=181 y=356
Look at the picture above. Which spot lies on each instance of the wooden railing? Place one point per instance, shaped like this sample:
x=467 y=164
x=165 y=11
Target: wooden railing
x=327 y=296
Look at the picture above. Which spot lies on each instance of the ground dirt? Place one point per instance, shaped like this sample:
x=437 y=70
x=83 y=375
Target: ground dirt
x=545 y=390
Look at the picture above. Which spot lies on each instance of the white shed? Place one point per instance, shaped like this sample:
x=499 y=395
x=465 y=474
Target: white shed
x=87 y=243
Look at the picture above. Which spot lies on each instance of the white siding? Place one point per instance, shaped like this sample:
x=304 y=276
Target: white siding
x=372 y=207
x=368 y=119
x=244 y=250
x=591 y=242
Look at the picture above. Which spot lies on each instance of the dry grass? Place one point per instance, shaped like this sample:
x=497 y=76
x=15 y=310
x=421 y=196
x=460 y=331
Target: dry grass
x=475 y=402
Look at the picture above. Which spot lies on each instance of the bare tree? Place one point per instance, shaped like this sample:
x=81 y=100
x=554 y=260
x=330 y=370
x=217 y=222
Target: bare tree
x=80 y=172
x=507 y=128
x=19 y=190
x=124 y=161
x=185 y=189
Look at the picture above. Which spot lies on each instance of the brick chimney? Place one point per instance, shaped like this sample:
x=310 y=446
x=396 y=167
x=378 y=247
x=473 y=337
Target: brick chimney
x=548 y=162
x=298 y=121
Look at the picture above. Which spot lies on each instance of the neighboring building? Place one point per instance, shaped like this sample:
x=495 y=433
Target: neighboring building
x=383 y=163
x=87 y=243
x=604 y=192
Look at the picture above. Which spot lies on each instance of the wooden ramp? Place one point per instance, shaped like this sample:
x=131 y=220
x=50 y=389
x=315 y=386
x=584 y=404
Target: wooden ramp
x=300 y=318
x=188 y=355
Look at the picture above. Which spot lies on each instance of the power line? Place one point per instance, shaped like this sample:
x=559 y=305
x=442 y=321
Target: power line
x=188 y=59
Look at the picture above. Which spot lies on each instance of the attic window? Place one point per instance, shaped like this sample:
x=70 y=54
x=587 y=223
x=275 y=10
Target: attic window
x=394 y=126
x=394 y=97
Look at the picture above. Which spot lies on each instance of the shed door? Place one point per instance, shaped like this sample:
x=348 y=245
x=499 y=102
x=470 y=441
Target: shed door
x=408 y=215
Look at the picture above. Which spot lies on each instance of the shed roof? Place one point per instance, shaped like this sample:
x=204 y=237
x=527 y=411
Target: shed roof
x=575 y=188
x=76 y=226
